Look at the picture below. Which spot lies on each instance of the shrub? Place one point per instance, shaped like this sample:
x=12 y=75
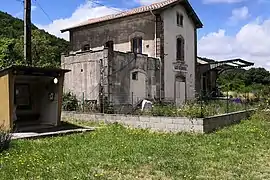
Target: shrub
x=70 y=102
x=5 y=138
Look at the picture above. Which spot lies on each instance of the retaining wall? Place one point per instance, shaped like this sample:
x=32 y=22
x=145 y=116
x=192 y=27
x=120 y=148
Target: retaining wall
x=166 y=124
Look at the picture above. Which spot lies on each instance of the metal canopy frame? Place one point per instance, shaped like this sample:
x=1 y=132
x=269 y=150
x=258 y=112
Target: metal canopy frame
x=221 y=66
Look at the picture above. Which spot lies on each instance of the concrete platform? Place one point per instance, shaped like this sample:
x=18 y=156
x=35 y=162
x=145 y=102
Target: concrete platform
x=33 y=135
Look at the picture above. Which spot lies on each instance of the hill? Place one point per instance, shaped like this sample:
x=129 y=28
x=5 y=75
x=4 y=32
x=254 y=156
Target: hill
x=46 y=48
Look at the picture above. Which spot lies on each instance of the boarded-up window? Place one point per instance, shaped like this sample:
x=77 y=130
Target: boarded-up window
x=180 y=49
x=136 y=45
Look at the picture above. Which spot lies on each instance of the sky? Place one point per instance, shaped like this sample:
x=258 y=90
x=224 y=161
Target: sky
x=232 y=28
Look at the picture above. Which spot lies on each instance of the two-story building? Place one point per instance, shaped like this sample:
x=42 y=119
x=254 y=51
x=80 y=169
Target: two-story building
x=165 y=32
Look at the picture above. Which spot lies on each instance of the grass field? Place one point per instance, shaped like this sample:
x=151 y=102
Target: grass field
x=114 y=152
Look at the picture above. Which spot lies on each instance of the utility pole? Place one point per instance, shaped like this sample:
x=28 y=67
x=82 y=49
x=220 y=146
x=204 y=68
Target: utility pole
x=27 y=32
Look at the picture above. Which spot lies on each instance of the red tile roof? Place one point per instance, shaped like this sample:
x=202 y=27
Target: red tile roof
x=152 y=7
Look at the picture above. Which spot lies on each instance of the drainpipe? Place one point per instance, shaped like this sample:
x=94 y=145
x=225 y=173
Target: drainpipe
x=155 y=32
x=156 y=54
x=160 y=68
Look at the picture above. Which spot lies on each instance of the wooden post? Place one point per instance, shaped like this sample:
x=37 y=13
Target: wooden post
x=27 y=32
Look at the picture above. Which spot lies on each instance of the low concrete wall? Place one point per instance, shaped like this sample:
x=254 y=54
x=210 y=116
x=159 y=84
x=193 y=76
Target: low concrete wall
x=213 y=123
x=166 y=124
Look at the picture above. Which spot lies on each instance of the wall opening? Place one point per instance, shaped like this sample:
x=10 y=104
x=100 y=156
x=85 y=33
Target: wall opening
x=179 y=19
x=136 y=45
x=86 y=47
x=109 y=45
x=135 y=76
x=180 y=48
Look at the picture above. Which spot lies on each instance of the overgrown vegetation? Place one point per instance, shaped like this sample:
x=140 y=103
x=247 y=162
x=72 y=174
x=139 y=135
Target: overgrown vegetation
x=115 y=152
x=70 y=102
x=46 y=48
x=197 y=109
x=5 y=138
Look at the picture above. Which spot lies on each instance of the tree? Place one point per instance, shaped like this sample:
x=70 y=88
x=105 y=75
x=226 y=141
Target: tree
x=8 y=53
x=46 y=48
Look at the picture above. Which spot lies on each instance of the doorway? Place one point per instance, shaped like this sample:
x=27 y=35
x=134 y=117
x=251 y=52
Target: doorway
x=180 y=90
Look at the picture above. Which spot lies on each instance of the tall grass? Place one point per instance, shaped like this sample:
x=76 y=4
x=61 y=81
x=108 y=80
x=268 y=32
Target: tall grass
x=5 y=139
x=196 y=109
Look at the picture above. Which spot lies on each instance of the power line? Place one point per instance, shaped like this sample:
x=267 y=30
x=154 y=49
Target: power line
x=100 y=4
x=46 y=14
x=97 y=3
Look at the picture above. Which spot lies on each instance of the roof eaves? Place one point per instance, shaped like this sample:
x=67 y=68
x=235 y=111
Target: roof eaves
x=188 y=6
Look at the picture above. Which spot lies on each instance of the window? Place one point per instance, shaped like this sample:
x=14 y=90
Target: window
x=136 y=45
x=180 y=49
x=109 y=45
x=22 y=96
x=86 y=47
x=135 y=76
x=179 y=19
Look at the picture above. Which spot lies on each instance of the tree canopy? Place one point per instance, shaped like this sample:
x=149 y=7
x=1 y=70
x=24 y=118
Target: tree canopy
x=46 y=48
x=254 y=79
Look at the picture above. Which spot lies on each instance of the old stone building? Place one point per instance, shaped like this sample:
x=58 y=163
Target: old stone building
x=160 y=40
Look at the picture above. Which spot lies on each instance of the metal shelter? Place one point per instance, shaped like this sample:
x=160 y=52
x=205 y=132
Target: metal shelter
x=224 y=65
x=208 y=71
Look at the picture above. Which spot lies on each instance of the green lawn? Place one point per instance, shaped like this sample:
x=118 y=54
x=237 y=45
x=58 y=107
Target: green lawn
x=114 y=152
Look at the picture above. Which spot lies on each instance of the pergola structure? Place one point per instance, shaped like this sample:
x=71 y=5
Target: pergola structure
x=208 y=71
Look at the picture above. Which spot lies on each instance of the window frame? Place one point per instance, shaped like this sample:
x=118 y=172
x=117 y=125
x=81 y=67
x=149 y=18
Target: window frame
x=179 y=19
x=180 y=48
x=136 y=45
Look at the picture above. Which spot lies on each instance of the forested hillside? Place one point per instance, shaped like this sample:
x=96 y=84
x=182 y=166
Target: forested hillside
x=46 y=48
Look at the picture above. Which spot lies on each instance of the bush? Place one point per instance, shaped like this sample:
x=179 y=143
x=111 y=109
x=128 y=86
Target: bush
x=70 y=102
x=5 y=138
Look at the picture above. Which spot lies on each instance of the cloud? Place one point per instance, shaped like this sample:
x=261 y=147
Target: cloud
x=82 y=13
x=222 y=1
x=33 y=8
x=147 y=2
x=251 y=43
x=239 y=14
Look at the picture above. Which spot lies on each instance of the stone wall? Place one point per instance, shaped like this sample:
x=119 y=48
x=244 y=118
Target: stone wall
x=166 y=124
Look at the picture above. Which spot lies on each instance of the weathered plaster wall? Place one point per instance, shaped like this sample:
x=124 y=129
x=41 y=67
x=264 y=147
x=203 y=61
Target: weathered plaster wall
x=84 y=77
x=120 y=31
x=126 y=90
x=171 y=31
